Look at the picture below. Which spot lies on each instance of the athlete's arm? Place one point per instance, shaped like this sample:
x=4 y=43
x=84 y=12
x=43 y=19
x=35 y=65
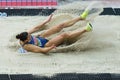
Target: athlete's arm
x=36 y=28
x=36 y=49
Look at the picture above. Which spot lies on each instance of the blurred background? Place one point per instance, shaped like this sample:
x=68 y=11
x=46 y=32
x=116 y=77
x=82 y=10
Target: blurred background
x=43 y=7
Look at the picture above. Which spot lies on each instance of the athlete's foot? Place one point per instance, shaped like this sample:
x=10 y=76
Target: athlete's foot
x=84 y=14
x=88 y=27
x=87 y=10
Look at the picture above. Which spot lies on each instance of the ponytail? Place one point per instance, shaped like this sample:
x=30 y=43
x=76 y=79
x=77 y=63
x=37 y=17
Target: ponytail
x=22 y=36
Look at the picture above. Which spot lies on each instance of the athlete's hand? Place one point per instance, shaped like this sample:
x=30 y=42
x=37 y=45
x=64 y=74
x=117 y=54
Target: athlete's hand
x=53 y=46
x=49 y=19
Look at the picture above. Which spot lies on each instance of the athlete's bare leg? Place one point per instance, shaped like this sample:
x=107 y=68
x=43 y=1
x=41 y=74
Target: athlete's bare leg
x=73 y=34
x=59 y=27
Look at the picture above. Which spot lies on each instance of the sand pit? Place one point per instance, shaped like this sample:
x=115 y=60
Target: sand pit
x=100 y=55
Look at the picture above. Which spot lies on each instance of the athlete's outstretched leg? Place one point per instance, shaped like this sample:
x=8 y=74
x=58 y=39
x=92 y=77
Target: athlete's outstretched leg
x=69 y=23
x=59 y=27
x=60 y=38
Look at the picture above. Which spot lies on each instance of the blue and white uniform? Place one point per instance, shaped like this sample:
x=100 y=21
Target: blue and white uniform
x=38 y=41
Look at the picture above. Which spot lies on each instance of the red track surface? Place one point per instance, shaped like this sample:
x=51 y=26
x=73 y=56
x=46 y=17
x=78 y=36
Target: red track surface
x=15 y=3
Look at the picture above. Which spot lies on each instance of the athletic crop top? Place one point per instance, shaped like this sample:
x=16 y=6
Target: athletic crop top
x=38 y=41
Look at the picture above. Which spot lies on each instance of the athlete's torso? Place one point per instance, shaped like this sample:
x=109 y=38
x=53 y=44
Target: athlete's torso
x=38 y=41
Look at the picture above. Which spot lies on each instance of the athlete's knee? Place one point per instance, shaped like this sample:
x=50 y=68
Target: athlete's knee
x=65 y=35
x=61 y=26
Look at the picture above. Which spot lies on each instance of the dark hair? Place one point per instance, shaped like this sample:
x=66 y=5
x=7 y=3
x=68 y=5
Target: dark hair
x=22 y=36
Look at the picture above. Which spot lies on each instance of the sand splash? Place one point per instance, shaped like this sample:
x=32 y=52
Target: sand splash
x=101 y=47
x=64 y=14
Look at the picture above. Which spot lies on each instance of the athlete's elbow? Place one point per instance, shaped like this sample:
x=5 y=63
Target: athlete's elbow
x=44 y=51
